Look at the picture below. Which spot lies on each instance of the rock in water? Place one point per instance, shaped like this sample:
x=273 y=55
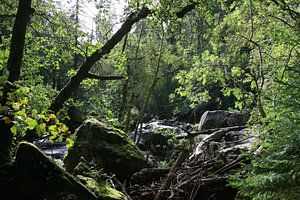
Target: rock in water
x=33 y=176
x=221 y=119
x=107 y=147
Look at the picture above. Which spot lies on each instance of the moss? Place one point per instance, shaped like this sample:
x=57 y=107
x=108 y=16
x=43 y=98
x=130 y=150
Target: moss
x=102 y=189
x=110 y=147
x=34 y=176
x=97 y=131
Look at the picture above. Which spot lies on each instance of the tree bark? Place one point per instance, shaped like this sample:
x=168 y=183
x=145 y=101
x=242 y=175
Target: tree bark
x=14 y=68
x=76 y=55
x=17 y=46
x=18 y=40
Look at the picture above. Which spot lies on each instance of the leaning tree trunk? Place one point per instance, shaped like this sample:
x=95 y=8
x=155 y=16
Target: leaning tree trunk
x=82 y=73
x=14 y=67
x=84 y=69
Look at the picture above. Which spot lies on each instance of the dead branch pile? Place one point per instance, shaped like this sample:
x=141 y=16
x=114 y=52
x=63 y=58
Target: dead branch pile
x=201 y=173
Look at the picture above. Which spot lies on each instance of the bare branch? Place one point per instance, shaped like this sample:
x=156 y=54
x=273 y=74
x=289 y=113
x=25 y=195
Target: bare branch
x=104 y=78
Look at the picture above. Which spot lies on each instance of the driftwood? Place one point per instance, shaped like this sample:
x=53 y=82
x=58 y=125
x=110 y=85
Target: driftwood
x=204 y=175
x=231 y=165
x=209 y=131
x=181 y=158
x=215 y=136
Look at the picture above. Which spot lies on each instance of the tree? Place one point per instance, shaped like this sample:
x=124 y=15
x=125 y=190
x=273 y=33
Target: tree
x=17 y=42
x=14 y=67
x=22 y=94
x=274 y=174
x=83 y=71
x=23 y=113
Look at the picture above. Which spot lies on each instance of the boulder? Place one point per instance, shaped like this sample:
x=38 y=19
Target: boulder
x=221 y=119
x=33 y=176
x=159 y=137
x=107 y=147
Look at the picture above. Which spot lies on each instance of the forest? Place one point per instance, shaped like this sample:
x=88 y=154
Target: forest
x=149 y=99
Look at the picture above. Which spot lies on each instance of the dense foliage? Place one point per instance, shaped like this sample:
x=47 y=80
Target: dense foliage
x=222 y=54
x=252 y=53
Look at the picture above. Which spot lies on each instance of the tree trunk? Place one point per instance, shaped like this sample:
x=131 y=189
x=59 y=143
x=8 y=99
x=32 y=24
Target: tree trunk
x=18 y=40
x=76 y=56
x=125 y=104
x=14 y=68
x=147 y=98
x=82 y=73
x=17 y=45
x=124 y=101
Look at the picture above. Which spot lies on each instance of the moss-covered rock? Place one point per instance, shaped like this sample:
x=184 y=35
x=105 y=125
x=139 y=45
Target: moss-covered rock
x=33 y=176
x=101 y=189
x=107 y=147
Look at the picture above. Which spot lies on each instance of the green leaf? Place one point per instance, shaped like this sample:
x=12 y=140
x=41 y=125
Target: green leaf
x=21 y=113
x=53 y=130
x=14 y=130
x=41 y=129
x=236 y=71
x=70 y=142
x=16 y=105
x=32 y=123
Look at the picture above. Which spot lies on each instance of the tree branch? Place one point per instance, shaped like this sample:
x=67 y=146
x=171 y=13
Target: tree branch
x=167 y=183
x=186 y=9
x=83 y=71
x=104 y=78
x=283 y=5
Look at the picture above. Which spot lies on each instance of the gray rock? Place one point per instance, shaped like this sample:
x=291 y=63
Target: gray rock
x=222 y=118
x=155 y=135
